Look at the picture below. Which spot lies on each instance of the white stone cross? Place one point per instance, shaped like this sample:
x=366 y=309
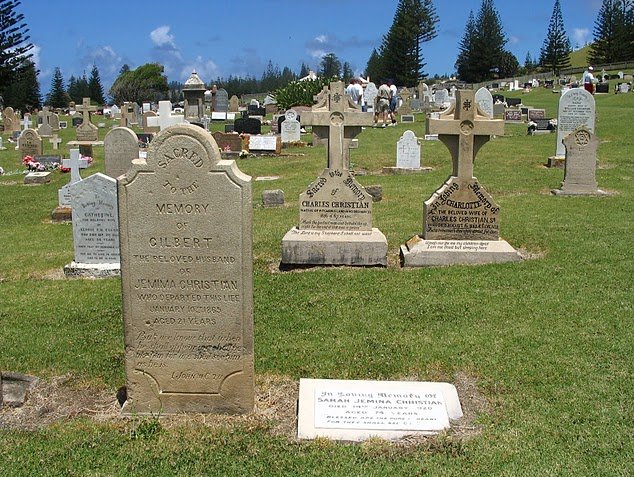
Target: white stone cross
x=464 y=132
x=26 y=122
x=86 y=109
x=55 y=141
x=165 y=117
x=343 y=120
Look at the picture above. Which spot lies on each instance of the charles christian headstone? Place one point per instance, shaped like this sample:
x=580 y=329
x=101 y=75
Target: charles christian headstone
x=460 y=220
x=581 y=164
x=95 y=227
x=290 y=127
x=484 y=98
x=187 y=278
x=576 y=108
x=335 y=215
x=30 y=143
x=121 y=147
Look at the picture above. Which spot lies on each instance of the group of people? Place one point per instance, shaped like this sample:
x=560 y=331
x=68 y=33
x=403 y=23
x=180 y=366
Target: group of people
x=385 y=103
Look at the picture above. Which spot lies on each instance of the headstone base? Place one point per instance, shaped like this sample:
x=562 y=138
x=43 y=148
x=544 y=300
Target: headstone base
x=37 y=178
x=591 y=192
x=418 y=252
x=556 y=161
x=92 y=270
x=62 y=214
x=405 y=170
x=334 y=247
x=14 y=388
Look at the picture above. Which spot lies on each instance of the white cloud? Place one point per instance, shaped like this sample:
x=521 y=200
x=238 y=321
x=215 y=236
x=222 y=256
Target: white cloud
x=206 y=69
x=580 y=36
x=514 y=40
x=161 y=36
x=321 y=38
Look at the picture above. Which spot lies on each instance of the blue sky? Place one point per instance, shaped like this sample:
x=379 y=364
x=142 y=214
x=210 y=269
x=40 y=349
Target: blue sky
x=222 y=38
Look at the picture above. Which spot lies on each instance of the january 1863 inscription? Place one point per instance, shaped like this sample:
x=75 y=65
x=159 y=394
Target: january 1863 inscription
x=186 y=247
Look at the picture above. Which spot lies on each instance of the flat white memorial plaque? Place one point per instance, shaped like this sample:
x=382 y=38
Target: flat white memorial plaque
x=358 y=410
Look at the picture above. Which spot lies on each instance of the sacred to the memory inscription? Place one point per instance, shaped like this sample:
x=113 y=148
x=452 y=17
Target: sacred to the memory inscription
x=187 y=278
x=335 y=201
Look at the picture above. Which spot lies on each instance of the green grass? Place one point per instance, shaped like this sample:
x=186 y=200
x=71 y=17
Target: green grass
x=579 y=58
x=548 y=340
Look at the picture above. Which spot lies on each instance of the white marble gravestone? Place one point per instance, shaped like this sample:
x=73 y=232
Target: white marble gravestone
x=187 y=278
x=484 y=98
x=369 y=94
x=95 y=227
x=576 y=108
x=64 y=194
x=290 y=127
x=165 y=117
x=407 y=156
x=335 y=217
x=460 y=219
x=359 y=410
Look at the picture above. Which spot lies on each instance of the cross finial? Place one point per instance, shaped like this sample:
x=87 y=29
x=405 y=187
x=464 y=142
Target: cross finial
x=464 y=130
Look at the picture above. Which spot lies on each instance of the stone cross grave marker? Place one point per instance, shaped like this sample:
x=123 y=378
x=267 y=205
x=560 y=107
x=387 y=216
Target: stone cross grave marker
x=95 y=221
x=576 y=108
x=335 y=216
x=187 y=278
x=461 y=213
x=290 y=127
x=121 y=147
x=406 y=107
x=55 y=141
x=86 y=131
x=63 y=195
x=340 y=120
x=484 y=98
x=581 y=164
x=26 y=122
x=30 y=143
x=165 y=117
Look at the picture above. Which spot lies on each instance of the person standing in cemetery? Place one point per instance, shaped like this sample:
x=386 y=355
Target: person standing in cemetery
x=588 y=80
x=355 y=91
x=382 y=104
x=393 y=101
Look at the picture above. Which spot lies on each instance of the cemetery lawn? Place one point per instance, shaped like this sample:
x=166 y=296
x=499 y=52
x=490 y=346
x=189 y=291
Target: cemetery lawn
x=541 y=351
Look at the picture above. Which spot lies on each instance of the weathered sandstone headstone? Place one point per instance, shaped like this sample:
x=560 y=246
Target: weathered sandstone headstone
x=581 y=164
x=87 y=131
x=121 y=147
x=335 y=214
x=186 y=263
x=30 y=143
x=460 y=220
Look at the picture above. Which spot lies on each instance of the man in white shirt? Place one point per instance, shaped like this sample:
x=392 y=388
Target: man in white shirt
x=588 y=80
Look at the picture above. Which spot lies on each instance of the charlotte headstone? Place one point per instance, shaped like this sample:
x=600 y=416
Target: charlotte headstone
x=460 y=220
x=187 y=278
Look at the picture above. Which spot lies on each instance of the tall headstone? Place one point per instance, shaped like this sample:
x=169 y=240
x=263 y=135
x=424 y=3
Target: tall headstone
x=576 y=108
x=95 y=227
x=121 y=147
x=290 y=128
x=187 y=278
x=370 y=93
x=30 y=143
x=234 y=104
x=406 y=106
x=581 y=164
x=11 y=120
x=484 y=98
x=460 y=220
x=222 y=101
x=87 y=131
x=335 y=215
